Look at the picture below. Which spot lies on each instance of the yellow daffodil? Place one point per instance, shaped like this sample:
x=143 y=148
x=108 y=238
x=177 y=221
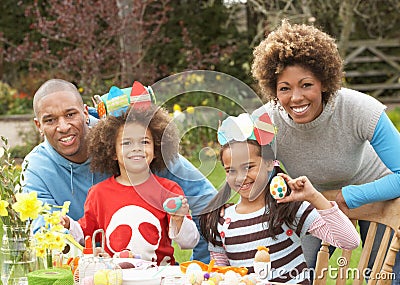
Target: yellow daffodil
x=58 y=242
x=54 y=240
x=190 y=109
x=46 y=208
x=65 y=208
x=39 y=237
x=40 y=251
x=27 y=205
x=52 y=218
x=58 y=228
x=177 y=108
x=3 y=208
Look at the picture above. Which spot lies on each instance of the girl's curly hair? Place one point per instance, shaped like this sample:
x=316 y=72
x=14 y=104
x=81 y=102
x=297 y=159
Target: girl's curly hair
x=297 y=44
x=103 y=136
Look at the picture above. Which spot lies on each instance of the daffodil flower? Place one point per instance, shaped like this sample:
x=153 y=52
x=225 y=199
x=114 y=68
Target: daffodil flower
x=3 y=208
x=65 y=208
x=40 y=251
x=177 y=108
x=190 y=109
x=52 y=218
x=27 y=205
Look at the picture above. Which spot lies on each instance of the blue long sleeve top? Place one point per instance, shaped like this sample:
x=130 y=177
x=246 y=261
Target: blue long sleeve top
x=386 y=143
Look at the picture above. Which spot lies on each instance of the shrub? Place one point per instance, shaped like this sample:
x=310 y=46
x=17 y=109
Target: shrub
x=394 y=116
x=14 y=102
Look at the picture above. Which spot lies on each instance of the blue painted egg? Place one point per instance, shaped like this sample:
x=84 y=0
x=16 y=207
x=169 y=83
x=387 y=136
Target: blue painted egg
x=171 y=205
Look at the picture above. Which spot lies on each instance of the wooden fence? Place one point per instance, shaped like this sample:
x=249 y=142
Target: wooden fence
x=373 y=67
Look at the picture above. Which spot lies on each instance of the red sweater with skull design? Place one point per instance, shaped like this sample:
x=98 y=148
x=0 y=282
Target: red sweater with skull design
x=132 y=217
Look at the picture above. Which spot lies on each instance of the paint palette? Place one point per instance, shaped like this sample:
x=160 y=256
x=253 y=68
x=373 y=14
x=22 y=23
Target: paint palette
x=278 y=188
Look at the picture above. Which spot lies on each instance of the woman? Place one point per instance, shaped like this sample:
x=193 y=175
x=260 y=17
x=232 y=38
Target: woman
x=339 y=138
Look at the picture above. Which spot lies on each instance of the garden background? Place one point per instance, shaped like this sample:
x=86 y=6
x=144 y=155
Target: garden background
x=97 y=44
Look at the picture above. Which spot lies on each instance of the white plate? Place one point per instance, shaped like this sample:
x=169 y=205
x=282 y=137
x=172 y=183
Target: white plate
x=138 y=263
x=150 y=276
x=141 y=277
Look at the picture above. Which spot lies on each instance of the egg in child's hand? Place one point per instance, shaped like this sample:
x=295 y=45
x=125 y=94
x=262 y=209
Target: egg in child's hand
x=171 y=205
x=278 y=188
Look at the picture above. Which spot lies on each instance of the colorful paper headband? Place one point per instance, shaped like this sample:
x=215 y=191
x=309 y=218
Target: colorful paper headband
x=117 y=101
x=246 y=126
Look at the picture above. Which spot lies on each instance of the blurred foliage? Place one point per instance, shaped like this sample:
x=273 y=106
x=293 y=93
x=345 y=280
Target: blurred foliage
x=202 y=35
x=13 y=101
x=30 y=139
x=394 y=116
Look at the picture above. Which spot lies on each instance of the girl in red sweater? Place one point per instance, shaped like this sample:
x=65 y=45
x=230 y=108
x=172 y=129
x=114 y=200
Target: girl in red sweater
x=129 y=205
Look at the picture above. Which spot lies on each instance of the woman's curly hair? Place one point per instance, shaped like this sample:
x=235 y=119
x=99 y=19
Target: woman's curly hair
x=297 y=44
x=103 y=137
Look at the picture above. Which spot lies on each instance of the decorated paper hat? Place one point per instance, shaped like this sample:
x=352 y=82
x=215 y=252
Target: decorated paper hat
x=247 y=127
x=116 y=101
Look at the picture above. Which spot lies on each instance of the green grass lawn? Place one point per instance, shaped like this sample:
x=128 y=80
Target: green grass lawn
x=353 y=264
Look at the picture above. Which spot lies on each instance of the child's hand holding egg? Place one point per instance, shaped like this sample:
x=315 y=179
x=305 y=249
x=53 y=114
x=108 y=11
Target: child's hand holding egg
x=176 y=206
x=171 y=205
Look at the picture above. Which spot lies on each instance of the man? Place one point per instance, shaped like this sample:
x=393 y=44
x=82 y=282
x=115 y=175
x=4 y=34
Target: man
x=58 y=169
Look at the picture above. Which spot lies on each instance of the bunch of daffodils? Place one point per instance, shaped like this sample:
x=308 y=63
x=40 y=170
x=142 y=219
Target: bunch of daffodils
x=19 y=209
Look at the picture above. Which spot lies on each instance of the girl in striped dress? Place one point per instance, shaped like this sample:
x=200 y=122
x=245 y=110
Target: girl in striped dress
x=260 y=220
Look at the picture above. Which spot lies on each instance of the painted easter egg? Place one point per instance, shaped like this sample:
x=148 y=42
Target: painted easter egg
x=194 y=277
x=171 y=205
x=101 y=277
x=278 y=187
x=193 y=267
x=231 y=277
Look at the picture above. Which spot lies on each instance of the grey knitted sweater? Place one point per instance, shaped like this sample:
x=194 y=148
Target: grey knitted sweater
x=333 y=150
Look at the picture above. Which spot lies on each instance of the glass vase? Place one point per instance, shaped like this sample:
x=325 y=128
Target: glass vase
x=17 y=255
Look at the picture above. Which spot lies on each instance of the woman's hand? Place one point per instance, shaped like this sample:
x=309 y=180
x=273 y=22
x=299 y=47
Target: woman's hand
x=303 y=190
x=342 y=203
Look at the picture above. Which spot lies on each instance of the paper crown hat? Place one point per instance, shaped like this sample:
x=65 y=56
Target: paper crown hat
x=116 y=101
x=246 y=127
